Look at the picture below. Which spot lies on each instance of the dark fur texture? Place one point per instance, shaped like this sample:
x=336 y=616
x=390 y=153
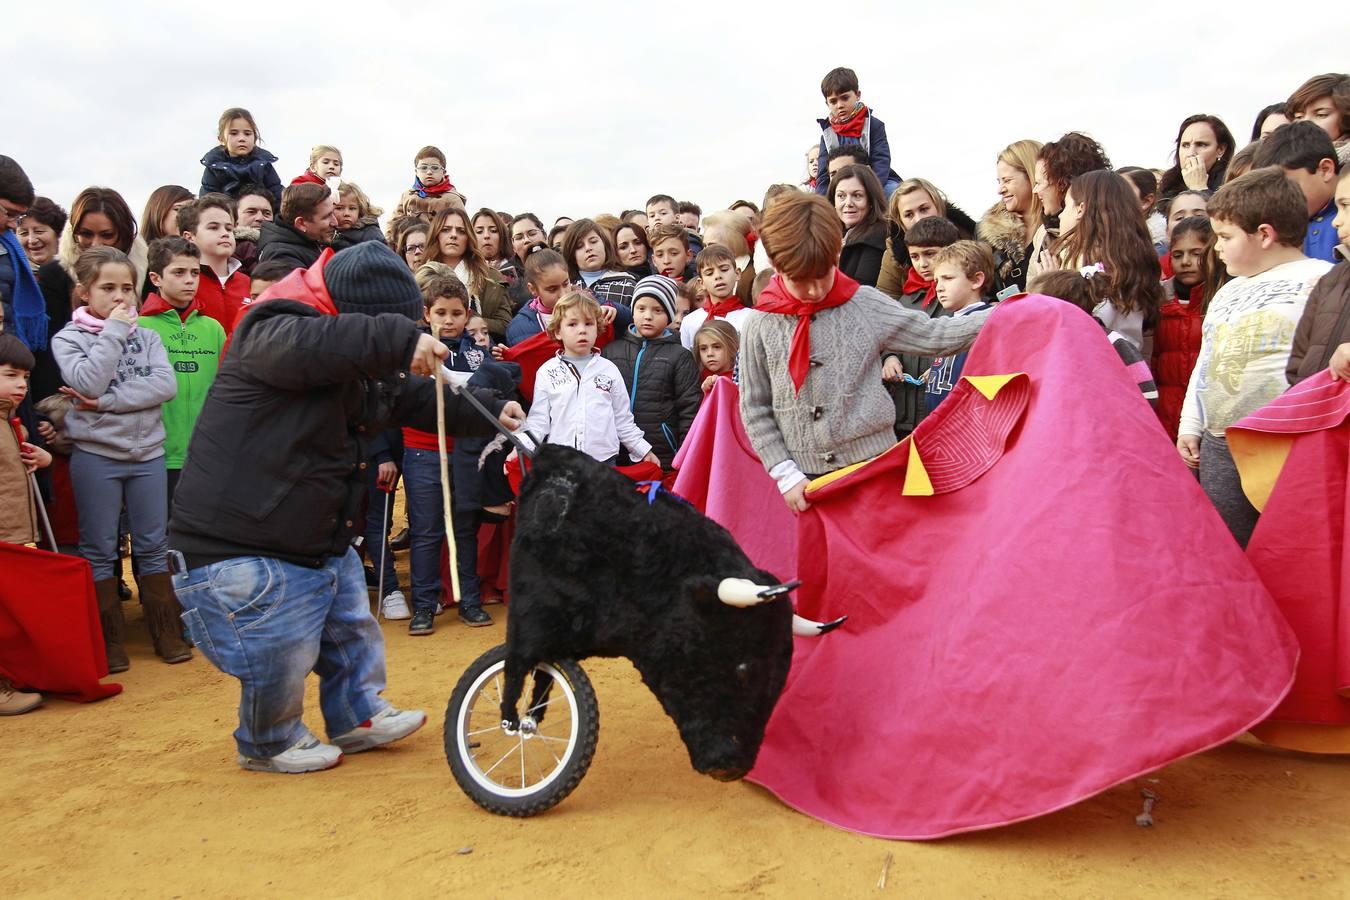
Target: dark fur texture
x=598 y=571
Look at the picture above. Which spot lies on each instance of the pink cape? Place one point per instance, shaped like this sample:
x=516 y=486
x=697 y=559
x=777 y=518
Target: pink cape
x=721 y=475
x=1042 y=603
x=1294 y=454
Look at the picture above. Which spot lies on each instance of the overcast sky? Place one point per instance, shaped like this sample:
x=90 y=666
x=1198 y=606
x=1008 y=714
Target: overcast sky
x=580 y=107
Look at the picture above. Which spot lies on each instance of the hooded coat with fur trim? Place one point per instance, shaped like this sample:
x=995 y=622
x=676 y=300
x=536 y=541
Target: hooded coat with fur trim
x=1005 y=232
x=56 y=280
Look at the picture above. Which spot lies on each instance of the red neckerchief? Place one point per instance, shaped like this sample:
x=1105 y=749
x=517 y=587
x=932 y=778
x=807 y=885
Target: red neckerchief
x=776 y=299
x=443 y=187
x=715 y=308
x=852 y=127
x=914 y=281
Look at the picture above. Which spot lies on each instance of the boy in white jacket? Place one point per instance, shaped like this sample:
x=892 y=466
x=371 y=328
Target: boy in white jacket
x=579 y=397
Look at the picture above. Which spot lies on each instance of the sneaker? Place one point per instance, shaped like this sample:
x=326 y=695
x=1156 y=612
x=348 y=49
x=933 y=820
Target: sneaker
x=474 y=616
x=384 y=728
x=423 y=622
x=309 y=754
x=395 y=606
x=15 y=702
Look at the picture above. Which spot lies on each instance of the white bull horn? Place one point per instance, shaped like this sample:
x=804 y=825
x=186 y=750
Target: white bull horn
x=744 y=592
x=803 y=627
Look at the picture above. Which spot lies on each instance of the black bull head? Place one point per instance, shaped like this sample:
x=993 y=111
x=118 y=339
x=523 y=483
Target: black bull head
x=599 y=568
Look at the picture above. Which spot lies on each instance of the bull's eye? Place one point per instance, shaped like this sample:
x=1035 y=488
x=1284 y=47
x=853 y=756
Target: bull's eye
x=743 y=673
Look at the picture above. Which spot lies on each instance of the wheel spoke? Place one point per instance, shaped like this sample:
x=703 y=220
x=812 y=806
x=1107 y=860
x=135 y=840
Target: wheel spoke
x=482 y=730
x=522 y=762
x=531 y=710
x=502 y=760
x=547 y=737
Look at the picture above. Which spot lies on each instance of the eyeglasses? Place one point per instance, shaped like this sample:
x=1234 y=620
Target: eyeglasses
x=415 y=248
x=429 y=170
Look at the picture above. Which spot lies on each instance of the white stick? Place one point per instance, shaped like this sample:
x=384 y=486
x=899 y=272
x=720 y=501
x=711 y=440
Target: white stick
x=384 y=552
x=447 y=509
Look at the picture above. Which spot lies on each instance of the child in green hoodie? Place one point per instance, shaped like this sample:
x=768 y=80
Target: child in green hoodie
x=192 y=341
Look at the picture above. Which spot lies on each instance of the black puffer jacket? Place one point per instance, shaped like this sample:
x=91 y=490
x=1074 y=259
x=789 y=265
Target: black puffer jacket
x=663 y=389
x=277 y=240
x=276 y=464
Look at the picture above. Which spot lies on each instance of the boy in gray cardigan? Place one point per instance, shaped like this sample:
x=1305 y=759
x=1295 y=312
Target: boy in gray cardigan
x=812 y=397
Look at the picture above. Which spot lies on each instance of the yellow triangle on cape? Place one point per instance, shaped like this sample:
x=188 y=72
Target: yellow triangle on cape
x=917 y=482
x=990 y=385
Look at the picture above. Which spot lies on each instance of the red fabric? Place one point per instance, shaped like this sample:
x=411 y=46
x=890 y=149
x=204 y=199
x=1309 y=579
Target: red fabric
x=1034 y=631
x=715 y=308
x=494 y=559
x=720 y=474
x=307 y=177
x=533 y=352
x=442 y=187
x=1165 y=261
x=916 y=282
x=425 y=440
x=1298 y=546
x=61 y=510
x=776 y=299
x=50 y=636
x=221 y=302
x=852 y=127
x=1176 y=347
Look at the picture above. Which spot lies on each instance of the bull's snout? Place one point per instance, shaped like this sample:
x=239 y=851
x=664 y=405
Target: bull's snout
x=727 y=774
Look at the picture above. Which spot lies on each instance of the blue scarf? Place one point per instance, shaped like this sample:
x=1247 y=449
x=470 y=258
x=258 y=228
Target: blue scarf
x=30 y=308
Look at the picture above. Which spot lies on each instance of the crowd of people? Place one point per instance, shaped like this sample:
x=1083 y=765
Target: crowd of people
x=1212 y=278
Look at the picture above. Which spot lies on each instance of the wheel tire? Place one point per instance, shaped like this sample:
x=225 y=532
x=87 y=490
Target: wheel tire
x=581 y=751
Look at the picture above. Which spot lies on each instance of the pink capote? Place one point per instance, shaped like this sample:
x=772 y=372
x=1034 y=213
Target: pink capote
x=719 y=472
x=1294 y=454
x=1042 y=603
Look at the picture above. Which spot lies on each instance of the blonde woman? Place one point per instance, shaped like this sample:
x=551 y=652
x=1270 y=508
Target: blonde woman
x=1010 y=224
x=914 y=199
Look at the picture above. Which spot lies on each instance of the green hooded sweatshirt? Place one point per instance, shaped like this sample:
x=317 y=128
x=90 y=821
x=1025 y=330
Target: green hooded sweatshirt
x=194 y=348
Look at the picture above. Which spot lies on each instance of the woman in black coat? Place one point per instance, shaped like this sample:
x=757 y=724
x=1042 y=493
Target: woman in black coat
x=861 y=205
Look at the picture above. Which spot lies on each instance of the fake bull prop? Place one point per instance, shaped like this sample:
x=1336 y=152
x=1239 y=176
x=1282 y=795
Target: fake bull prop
x=603 y=567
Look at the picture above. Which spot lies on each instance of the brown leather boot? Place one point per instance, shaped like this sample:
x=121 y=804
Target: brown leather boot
x=163 y=616
x=114 y=626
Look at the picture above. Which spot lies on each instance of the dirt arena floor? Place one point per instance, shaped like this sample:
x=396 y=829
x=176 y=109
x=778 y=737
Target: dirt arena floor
x=140 y=796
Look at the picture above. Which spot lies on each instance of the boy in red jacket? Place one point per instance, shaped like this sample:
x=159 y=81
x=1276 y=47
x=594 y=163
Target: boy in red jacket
x=223 y=288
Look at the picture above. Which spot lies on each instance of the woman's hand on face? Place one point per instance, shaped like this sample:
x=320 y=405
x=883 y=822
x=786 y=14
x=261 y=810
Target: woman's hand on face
x=1193 y=172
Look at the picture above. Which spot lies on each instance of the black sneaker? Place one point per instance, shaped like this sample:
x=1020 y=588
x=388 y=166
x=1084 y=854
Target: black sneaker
x=474 y=616
x=423 y=622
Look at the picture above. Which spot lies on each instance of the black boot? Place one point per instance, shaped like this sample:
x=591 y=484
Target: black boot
x=114 y=625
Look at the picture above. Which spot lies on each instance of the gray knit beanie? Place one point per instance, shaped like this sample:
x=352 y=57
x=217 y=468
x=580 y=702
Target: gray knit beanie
x=370 y=278
x=664 y=290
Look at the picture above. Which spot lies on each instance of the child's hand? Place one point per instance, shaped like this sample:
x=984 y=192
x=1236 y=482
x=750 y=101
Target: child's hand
x=1340 y=364
x=1194 y=174
x=385 y=476
x=607 y=314
x=80 y=401
x=123 y=312
x=651 y=458
x=498 y=352
x=708 y=383
x=47 y=430
x=1188 y=445
x=891 y=369
x=34 y=457
x=796 y=497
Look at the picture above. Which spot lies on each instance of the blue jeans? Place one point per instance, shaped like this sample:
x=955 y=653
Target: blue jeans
x=377 y=531
x=270 y=623
x=426 y=528
x=102 y=487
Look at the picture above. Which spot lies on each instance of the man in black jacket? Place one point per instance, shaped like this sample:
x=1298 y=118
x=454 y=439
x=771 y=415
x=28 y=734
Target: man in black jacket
x=304 y=227
x=270 y=497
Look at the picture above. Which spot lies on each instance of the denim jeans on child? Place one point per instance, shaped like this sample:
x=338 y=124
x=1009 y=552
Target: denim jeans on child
x=426 y=529
x=102 y=486
x=270 y=623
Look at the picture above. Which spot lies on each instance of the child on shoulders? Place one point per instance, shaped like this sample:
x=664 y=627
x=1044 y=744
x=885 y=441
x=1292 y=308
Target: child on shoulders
x=325 y=164
x=963 y=273
x=851 y=122
x=237 y=159
x=431 y=191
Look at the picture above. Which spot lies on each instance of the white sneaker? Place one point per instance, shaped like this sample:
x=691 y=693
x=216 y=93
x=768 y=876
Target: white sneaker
x=308 y=754
x=384 y=728
x=395 y=606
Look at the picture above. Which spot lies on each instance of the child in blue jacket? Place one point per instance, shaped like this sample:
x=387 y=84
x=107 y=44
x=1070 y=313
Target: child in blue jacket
x=851 y=122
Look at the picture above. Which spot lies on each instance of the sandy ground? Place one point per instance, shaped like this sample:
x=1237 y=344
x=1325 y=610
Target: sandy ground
x=140 y=796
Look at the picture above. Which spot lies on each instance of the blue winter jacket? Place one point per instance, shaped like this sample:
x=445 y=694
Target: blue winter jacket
x=225 y=174
x=874 y=142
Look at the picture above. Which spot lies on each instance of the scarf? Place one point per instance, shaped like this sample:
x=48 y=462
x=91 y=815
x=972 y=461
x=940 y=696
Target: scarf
x=540 y=312
x=715 y=308
x=776 y=299
x=914 y=282
x=30 y=308
x=87 y=321
x=852 y=127
x=435 y=190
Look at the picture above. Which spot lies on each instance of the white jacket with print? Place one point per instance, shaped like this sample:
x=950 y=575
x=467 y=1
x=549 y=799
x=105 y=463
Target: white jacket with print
x=586 y=409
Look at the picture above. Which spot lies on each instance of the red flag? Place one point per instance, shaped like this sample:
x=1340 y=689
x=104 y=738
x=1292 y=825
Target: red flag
x=50 y=636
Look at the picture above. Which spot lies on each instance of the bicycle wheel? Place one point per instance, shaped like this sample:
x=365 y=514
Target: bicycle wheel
x=526 y=769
